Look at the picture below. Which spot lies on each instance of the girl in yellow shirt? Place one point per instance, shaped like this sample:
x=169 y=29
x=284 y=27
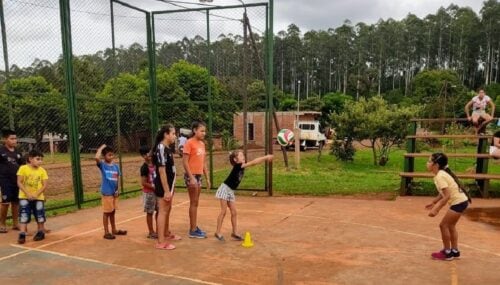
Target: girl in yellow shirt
x=451 y=193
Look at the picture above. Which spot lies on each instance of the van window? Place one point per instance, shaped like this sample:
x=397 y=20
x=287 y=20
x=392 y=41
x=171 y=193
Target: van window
x=307 y=127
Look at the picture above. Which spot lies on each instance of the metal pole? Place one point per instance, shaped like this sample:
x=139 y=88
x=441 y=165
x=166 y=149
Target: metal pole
x=153 y=98
x=270 y=36
x=6 y=64
x=210 y=111
x=244 y=83
x=119 y=144
x=71 y=98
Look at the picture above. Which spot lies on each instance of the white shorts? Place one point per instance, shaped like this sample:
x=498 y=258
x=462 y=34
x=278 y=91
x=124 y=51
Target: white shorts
x=492 y=149
x=225 y=193
x=479 y=113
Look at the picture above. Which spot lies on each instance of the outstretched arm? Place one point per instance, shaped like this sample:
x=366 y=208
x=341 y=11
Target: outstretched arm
x=258 y=160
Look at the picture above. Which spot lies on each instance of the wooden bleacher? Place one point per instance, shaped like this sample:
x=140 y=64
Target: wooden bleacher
x=481 y=175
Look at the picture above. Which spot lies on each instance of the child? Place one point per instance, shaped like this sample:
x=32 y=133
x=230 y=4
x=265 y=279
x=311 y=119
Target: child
x=10 y=160
x=148 y=174
x=110 y=173
x=194 y=166
x=163 y=159
x=225 y=193
x=32 y=182
x=450 y=192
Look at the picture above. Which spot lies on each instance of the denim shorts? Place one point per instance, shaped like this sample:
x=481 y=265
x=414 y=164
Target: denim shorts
x=198 y=178
x=460 y=208
x=29 y=207
x=149 y=202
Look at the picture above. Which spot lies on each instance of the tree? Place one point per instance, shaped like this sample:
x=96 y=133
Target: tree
x=38 y=109
x=373 y=119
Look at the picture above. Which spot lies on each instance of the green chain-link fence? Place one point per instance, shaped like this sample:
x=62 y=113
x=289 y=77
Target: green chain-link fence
x=210 y=64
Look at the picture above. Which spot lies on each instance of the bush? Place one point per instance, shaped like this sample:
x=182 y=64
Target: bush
x=343 y=149
x=228 y=141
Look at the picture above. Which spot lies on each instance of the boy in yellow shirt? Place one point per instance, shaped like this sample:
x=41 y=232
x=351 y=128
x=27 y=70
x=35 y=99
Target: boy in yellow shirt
x=32 y=182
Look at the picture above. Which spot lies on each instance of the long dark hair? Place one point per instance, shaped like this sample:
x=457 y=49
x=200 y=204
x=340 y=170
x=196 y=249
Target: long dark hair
x=166 y=129
x=196 y=125
x=442 y=161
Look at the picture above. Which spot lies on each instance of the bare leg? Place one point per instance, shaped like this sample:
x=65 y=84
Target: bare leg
x=167 y=218
x=149 y=221
x=15 y=214
x=105 y=218
x=234 y=220
x=447 y=225
x=112 y=221
x=194 y=197
x=3 y=214
x=222 y=214
x=161 y=220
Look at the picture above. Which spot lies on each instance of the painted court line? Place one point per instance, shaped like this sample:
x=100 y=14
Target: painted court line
x=27 y=249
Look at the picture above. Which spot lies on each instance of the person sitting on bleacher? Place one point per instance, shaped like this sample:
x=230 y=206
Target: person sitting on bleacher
x=478 y=104
x=495 y=146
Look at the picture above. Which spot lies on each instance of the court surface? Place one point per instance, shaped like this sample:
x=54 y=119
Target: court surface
x=298 y=240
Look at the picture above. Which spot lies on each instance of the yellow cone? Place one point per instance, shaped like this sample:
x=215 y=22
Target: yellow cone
x=247 y=242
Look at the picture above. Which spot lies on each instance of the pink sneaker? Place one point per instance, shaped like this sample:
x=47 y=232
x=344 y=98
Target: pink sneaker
x=441 y=255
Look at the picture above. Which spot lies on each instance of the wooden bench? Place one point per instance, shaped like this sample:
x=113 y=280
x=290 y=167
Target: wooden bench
x=483 y=177
x=481 y=156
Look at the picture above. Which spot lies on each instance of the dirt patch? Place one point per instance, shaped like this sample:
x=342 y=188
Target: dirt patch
x=490 y=216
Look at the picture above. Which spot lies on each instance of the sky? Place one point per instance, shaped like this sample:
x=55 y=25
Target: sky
x=33 y=29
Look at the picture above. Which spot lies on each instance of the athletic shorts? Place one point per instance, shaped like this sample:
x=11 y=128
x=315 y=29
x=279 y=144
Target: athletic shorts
x=149 y=202
x=460 y=208
x=225 y=193
x=109 y=204
x=10 y=193
x=198 y=178
x=31 y=207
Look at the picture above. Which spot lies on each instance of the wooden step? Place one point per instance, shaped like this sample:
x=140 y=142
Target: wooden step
x=471 y=155
x=443 y=120
x=478 y=176
x=450 y=137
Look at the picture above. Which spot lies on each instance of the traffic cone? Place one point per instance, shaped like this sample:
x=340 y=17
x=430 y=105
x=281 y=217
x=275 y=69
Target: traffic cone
x=247 y=242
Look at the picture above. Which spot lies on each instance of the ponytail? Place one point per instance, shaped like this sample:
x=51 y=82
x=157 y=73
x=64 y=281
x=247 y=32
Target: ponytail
x=442 y=161
x=460 y=186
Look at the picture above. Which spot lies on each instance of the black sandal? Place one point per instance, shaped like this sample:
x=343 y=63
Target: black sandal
x=109 y=236
x=120 y=233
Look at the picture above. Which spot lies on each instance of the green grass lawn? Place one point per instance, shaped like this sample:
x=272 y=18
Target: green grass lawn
x=332 y=177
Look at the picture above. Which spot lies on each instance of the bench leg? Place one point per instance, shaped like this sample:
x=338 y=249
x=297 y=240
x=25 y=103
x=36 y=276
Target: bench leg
x=404 y=189
x=485 y=189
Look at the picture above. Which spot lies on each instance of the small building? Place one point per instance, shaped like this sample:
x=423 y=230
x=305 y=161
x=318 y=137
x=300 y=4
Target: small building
x=256 y=124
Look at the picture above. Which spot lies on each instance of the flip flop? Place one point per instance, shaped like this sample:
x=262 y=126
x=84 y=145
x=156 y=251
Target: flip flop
x=165 y=246
x=219 y=237
x=173 y=237
x=3 y=230
x=236 y=237
x=120 y=233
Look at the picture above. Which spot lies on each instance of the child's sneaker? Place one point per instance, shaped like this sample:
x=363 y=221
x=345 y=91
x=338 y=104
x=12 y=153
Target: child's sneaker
x=40 y=235
x=442 y=255
x=197 y=233
x=456 y=253
x=22 y=238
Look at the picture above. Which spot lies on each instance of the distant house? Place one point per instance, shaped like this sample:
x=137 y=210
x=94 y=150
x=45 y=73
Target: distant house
x=59 y=143
x=256 y=124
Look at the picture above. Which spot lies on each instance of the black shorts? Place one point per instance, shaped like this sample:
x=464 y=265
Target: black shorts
x=460 y=208
x=10 y=193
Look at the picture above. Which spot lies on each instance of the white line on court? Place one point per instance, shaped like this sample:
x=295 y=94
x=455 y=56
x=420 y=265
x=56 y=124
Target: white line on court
x=27 y=249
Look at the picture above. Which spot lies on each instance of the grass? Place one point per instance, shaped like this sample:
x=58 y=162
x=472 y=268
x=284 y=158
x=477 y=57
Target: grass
x=332 y=177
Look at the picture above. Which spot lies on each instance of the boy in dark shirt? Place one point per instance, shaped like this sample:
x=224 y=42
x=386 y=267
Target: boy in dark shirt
x=10 y=161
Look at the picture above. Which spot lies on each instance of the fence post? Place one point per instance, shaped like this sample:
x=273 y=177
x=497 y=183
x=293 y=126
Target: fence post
x=6 y=65
x=153 y=98
x=482 y=165
x=270 y=42
x=210 y=102
x=409 y=162
x=64 y=10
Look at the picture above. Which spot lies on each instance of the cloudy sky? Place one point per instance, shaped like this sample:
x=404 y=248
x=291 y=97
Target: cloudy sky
x=33 y=29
